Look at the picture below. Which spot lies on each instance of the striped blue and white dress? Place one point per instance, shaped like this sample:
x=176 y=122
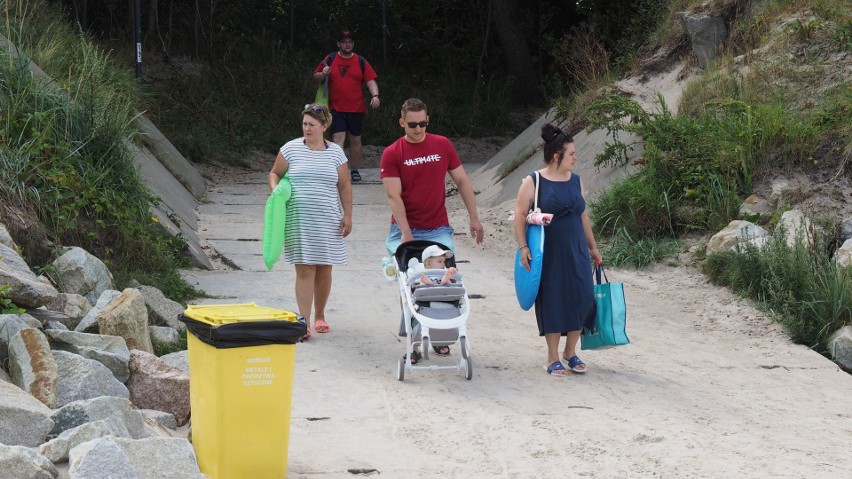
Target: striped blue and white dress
x=312 y=230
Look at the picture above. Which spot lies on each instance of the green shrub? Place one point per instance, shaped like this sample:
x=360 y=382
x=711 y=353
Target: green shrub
x=697 y=167
x=800 y=287
x=65 y=152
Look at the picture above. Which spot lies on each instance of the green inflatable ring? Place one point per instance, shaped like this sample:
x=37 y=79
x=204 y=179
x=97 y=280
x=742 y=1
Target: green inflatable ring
x=274 y=221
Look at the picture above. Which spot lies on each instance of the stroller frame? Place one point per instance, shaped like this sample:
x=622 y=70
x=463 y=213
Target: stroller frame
x=446 y=330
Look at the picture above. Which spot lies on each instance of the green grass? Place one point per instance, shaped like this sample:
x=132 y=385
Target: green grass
x=801 y=287
x=621 y=250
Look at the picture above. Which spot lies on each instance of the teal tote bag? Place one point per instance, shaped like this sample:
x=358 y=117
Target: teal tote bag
x=527 y=282
x=611 y=318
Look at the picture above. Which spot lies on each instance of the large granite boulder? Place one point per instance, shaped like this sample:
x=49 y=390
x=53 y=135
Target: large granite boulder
x=179 y=360
x=128 y=458
x=32 y=367
x=73 y=308
x=843 y=256
x=18 y=462
x=6 y=238
x=119 y=410
x=81 y=378
x=126 y=316
x=57 y=449
x=111 y=351
x=24 y=420
x=736 y=233
x=10 y=324
x=89 y=323
x=796 y=228
x=26 y=289
x=79 y=272
x=155 y=384
x=840 y=347
x=163 y=311
x=100 y=458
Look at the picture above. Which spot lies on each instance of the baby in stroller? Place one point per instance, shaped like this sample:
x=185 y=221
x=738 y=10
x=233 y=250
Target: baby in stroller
x=435 y=305
x=434 y=258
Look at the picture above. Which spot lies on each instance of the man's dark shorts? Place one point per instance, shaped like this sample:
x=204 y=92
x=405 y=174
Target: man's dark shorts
x=351 y=122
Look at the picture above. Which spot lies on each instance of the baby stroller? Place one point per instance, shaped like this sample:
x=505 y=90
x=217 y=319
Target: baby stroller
x=440 y=311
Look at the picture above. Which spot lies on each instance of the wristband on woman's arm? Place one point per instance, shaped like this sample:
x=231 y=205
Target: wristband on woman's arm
x=522 y=247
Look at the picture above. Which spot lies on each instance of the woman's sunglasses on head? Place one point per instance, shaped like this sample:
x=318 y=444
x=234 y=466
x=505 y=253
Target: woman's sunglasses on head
x=318 y=109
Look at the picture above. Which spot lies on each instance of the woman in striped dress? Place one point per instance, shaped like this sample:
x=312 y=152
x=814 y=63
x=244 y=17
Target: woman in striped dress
x=319 y=212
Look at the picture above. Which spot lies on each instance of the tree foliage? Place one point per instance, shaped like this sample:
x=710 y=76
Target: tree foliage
x=475 y=40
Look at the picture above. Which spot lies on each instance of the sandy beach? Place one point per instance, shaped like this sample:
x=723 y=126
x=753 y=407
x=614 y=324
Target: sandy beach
x=709 y=387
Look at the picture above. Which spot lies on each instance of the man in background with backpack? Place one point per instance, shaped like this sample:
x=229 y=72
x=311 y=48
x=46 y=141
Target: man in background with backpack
x=346 y=72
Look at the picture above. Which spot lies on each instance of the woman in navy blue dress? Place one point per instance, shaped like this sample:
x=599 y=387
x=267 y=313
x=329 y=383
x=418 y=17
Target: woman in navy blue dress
x=565 y=302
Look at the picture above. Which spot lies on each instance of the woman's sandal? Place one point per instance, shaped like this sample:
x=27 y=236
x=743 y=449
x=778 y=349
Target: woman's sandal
x=307 y=335
x=556 y=369
x=415 y=357
x=321 y=326
x=576 y=365
x=441 y=350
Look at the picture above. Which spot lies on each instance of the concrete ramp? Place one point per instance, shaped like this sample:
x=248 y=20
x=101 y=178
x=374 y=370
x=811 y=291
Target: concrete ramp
x=165 y=152
x=526 y=152
x=176 y=212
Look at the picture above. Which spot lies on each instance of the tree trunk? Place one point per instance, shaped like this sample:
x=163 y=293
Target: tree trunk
x=525 y=84
x=485 y=37
x=153 y=17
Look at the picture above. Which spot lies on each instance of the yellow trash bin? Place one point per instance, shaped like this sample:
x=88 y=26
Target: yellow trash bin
x=241 y=361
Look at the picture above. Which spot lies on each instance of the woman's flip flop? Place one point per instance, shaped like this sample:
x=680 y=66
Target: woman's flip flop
x=556 y=369
x=321 y=326
x=576 y=365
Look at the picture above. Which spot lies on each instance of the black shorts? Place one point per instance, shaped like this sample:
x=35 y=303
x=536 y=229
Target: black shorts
x=349 y=122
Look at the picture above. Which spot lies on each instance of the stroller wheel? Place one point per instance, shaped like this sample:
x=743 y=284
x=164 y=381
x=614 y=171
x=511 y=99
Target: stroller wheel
x=400 y=370
x=467 y=366
x=465 y=348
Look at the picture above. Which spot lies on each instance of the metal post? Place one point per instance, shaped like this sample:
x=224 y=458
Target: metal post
x=384 y=34
x=137 y=33
x=292 y=22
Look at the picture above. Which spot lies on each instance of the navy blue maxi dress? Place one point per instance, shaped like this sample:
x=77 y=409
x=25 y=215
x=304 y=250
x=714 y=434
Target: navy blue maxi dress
x=565 y=299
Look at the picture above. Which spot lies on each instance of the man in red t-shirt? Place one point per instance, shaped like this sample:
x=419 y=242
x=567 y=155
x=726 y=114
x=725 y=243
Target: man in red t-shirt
x=413 y=170
x=346 y=72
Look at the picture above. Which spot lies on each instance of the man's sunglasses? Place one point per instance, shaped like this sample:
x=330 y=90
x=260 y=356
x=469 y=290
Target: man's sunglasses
x=414 y=124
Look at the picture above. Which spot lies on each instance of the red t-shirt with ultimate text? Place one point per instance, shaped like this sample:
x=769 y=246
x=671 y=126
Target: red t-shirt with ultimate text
x=345 y=91
x=422 y=168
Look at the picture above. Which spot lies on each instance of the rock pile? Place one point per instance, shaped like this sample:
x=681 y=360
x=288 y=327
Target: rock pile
x=79 y=383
